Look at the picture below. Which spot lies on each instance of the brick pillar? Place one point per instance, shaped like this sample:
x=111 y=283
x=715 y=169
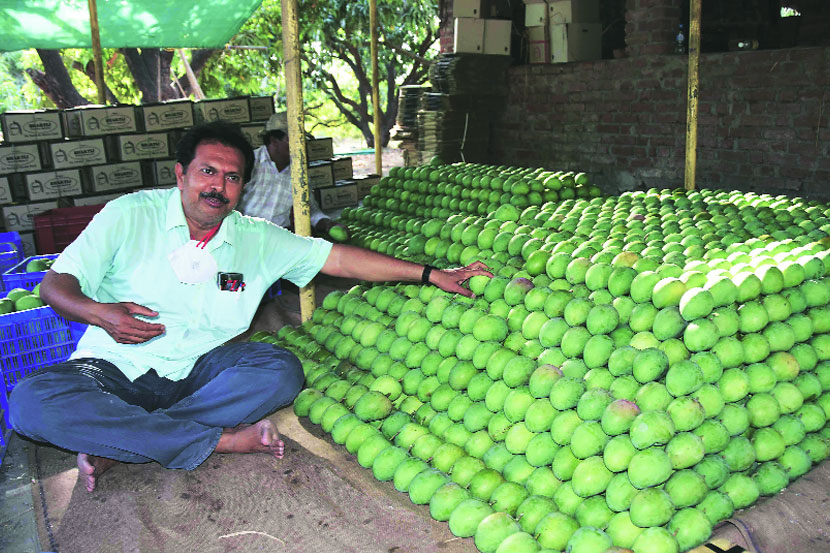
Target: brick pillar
x=651 y=26
x=446 y=32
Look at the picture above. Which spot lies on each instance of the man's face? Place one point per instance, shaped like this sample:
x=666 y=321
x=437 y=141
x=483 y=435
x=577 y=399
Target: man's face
x=278 y=150
x=212 y=185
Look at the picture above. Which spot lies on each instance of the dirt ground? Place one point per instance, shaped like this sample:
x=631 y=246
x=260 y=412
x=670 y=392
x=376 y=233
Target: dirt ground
x=364 y=164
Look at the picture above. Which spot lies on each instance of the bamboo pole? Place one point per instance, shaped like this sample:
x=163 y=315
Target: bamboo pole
x=296 y=137
x=373 y=23
x=693 y=92
x=191 y=76
x=96 y=52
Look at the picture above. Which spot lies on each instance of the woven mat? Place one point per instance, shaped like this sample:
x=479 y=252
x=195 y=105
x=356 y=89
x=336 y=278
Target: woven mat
x=316 y=499
x=794 y=521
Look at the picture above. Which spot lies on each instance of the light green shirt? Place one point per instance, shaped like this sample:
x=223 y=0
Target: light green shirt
x=122 y=256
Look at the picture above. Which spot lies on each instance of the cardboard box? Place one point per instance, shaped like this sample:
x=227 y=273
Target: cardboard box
x=538 y=51
x=538 y=41
x=252 y=133
x=31 y=125
x=467 y=8
x=497 y=36
x=160 y=172
x=99 y=120
x=342 y=168
x=319 y=148
x=54 y=184
x=536 y=14
x=573 y=11
x=97 y=200
x=320 y=174
x=20 y=218
x=77 y=153
x=235 y=110
x=19 y=158
x=333 y=197
x=261 y=107
x=468 y=35
x=29 y=246
x=575 y=42
x=365 y=184
x=114 y=176
x=5 y=191
x=168 y=115
x=133 y=147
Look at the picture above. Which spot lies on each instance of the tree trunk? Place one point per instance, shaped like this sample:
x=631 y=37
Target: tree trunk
x=55 y=81
x=151 y=70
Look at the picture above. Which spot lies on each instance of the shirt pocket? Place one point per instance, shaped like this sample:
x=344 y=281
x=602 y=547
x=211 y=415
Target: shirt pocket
x=229 y=312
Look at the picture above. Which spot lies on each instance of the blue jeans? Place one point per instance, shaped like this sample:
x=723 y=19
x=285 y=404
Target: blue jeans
x=89 y=406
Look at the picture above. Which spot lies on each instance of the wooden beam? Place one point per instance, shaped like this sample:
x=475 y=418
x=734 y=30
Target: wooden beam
x=693 y=92
x=373 y=23
x=96 y=52
x=296 y=137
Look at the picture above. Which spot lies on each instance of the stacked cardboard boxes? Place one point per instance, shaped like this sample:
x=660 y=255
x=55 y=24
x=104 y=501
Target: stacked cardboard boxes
x=92 y=154
x=563 y=31
x=481 y=27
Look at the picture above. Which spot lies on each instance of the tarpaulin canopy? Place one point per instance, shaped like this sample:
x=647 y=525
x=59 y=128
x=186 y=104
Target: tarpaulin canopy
x=55 y=24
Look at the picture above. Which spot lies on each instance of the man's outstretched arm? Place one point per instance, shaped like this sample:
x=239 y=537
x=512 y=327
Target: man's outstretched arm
x=358 y=263
x=63 y=293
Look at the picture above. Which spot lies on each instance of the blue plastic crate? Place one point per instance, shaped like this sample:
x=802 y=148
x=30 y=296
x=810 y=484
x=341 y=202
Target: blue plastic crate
x=33 y=339
x=5 y=427
x=17 y=277
x=11 y=252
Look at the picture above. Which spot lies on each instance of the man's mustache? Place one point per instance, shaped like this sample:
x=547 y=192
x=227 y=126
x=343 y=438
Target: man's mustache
x=213 y=194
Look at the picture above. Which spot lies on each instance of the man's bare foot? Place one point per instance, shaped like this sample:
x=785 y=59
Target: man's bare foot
x=261 y=437
x=90 y=468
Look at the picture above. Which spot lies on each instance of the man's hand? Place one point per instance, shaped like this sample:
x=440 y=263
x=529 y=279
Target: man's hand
x=450 y=280
x=119 y=320
x=337 y=232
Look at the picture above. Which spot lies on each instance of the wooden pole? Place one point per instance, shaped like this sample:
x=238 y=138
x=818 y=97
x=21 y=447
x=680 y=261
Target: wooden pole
x=296 y=137
x=191 y=77
x=693 y=91
x=373 y=23
x=96 y=52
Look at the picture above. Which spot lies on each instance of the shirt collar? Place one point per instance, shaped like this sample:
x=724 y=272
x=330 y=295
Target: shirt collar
x=175 y=218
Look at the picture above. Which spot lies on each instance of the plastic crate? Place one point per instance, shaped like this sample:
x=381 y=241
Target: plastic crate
x=57 y=228
x=11 y=251
x=33 y=339
x=5 y=427
x=17 y=277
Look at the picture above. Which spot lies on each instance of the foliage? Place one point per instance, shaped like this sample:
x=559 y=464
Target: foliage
x=17 y=91
x=335 y=38
x=337 y=34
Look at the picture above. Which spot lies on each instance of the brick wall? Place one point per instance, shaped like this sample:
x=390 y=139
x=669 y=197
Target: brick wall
x=763 y=121
x=651 y=26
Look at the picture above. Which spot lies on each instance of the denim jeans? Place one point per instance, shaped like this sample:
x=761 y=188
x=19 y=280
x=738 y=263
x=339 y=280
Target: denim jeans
x=89 y=406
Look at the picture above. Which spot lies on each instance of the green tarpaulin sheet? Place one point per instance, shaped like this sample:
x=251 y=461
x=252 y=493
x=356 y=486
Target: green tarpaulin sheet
x=55 y=24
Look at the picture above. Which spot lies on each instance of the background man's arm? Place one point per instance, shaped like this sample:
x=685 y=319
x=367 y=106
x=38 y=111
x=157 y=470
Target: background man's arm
x=353 y=262
x=62 y=292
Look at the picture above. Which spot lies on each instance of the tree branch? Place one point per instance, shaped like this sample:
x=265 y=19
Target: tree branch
x=89 y=71
x=55 y=82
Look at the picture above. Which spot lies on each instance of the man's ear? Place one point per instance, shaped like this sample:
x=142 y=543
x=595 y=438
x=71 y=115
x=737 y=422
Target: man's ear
x=180 y=171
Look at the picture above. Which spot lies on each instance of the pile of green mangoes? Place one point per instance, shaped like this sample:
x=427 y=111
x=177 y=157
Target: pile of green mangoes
x=639 y=367
x=20 y=299
x=39 y=264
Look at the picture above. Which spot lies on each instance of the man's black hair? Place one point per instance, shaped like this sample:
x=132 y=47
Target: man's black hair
x=223 y=132
x=279 y=134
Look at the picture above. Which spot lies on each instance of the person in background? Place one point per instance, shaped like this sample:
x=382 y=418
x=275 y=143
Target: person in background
x=165 y=279
x=268 y=194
